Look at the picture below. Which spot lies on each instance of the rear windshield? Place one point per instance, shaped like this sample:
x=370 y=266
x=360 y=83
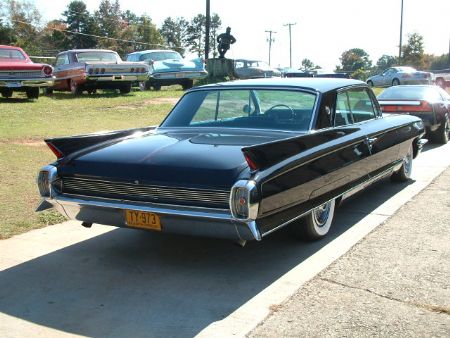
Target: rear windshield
x=11 y=54
x=97 y=56
x=244 y=108
x=159 y=56
x=410 y=92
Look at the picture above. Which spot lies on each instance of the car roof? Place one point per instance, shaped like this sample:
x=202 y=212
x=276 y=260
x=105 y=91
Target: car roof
x=152 y=51
x=88 y=50
x=317 y=84
x=10 y=47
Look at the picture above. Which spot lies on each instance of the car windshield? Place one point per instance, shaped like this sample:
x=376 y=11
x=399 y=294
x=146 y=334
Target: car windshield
x=244 y=108
x=11 y=54
x=410 y=92
x=98 y=56
x=159 y=56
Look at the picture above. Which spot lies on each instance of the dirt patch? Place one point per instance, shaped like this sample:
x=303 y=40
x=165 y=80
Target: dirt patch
x=159 y=100
x=30 y=143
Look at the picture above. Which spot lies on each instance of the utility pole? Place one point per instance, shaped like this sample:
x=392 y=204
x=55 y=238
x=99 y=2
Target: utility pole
x=270 y=39
x=290 y=42
x=401 y=33
x=208 y=25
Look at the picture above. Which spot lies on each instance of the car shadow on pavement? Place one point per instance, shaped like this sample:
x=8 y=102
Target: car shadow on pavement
x=136 y=283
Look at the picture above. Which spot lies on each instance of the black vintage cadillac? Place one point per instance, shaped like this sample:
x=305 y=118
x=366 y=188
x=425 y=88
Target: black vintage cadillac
x=235 y=160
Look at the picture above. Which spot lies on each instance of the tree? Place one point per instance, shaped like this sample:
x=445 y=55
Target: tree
x=79 y=20
x=440 y=62
x=354 y=59
x=25 y=19
x=148 y=34
x=173 y=33
x=413 y=52
x=7 y=35
x=109 y=20
x=357 y=62
x=215 y=25
x=307 y=64
x=386 y=61
x=195 y=35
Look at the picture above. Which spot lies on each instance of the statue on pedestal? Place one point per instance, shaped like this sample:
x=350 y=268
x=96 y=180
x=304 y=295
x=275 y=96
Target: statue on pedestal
x=225 y=40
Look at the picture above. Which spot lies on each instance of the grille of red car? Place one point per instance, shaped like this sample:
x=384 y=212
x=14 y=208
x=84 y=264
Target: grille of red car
x=144 y=193
x=20 y=74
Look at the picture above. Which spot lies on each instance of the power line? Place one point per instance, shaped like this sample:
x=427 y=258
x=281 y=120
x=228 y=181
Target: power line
x=97 y=36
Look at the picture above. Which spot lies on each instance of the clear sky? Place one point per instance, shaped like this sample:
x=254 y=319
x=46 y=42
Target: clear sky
x=324 y=28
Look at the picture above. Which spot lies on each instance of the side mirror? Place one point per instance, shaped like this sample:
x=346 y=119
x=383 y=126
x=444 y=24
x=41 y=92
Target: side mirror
x=246 y=109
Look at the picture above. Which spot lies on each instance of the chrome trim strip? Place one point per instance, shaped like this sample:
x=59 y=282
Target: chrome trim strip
x=369 y=181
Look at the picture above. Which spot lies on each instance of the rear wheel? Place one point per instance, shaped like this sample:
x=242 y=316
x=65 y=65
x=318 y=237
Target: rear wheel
x=7 y=92
x=32 y=93
x=441 y=135
x=404 y=173
x=370 y=83
x=315 y=225
x=395 y=82
x=187 y=84
x=144 y=85
x=125 y=89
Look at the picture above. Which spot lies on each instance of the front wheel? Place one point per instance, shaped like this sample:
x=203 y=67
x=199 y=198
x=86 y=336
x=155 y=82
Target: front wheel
x=7 y=93
x=395 y=82
x=370 y=83
x=75 y=88
x=316 y=224
x=404 y=173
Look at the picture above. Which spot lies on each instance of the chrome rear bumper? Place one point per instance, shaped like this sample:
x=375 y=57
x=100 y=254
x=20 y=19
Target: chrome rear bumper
x=20 y=83
x=194 y=221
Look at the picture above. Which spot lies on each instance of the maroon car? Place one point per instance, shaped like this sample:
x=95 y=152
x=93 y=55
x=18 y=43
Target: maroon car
x=430 y=103
x=19 y=73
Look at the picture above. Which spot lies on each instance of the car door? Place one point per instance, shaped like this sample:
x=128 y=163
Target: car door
x=61 y=71
x=381 y=134
x=387 y=77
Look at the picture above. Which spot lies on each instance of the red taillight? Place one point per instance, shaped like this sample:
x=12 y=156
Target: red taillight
x=47 y=70
x=55 y=150
x=250 y=162
x=423 y=106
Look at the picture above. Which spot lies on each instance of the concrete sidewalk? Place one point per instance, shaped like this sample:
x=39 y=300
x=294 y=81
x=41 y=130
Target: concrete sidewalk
x=394 y=283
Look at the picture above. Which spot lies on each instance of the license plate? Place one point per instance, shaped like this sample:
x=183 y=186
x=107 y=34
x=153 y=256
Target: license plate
x=180 y=75
x=142 y=219
x=13 y=84
x=119 y=77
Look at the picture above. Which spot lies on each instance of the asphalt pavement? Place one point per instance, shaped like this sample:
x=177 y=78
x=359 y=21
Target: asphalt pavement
x=66 y=280
x=394 y=283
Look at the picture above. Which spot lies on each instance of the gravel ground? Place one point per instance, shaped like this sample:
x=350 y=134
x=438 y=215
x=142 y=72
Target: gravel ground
x=394 y=283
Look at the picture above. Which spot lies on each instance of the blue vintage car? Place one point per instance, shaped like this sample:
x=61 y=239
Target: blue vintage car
x=167 y=67
x=236 y=160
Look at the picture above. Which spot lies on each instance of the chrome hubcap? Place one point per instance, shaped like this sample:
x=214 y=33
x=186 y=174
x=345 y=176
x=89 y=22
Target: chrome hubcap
x=321 y=213
x=407 y=162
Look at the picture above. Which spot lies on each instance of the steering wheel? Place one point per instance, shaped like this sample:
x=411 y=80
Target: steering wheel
x=268 y=111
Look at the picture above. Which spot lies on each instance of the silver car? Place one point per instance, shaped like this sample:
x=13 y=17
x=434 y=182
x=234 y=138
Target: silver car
x=252 y=69
x=395 y=76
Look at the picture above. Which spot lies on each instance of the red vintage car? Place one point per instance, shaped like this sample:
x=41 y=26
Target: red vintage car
x=19 y=73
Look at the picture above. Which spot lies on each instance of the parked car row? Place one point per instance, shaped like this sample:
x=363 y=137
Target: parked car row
x=80 y=70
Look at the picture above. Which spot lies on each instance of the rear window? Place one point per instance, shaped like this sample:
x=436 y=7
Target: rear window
x=410 y=93
x=244 y=108
x=159 y=56
x=95 y=56
x=11 y=54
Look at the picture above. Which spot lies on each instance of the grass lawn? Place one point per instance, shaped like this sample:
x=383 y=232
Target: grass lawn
x=24 y=124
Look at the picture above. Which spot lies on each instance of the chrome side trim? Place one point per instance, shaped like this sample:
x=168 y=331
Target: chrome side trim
x=359 y=186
